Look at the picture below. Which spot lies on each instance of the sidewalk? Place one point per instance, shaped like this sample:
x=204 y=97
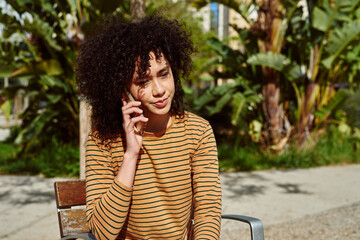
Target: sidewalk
x=319 y=203
x=293 y=204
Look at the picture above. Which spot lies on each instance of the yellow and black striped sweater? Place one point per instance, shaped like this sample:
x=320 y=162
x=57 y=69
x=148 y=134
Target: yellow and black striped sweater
x=178 y=169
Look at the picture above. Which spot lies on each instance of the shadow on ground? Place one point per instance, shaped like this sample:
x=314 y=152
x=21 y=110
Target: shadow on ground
x=21 y=190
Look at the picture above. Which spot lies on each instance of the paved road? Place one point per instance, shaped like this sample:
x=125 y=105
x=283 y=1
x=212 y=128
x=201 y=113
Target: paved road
x=319 y=203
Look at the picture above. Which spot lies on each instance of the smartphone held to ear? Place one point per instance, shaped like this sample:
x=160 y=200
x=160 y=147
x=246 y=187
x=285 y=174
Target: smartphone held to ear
x=140 y=126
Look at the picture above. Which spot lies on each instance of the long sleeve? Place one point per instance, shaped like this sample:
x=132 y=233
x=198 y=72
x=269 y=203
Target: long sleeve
x=206 y=188
x=107 y=200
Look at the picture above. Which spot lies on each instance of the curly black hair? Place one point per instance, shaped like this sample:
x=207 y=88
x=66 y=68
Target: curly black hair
x=106 y=64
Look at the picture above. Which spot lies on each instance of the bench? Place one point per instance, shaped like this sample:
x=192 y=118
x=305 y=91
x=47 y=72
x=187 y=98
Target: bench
x=71 y=201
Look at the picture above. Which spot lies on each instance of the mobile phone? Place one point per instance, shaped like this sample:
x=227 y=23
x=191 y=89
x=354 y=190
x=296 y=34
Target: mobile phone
x=140 y=126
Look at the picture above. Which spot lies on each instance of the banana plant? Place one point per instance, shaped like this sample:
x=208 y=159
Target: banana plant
x=298 y=51
x=266 y=34
x=47 y=35
x=316 y=67
x=334 y=32
x=237 y=100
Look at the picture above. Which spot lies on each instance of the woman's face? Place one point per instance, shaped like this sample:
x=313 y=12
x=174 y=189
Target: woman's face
x=156 y=90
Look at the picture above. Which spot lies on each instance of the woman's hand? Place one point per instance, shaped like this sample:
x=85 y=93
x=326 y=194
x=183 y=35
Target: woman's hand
x=132 y=116
x=134 y=140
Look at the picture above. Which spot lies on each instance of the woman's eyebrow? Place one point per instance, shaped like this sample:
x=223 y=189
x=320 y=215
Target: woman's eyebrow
x=147 y=76
x=164 y=69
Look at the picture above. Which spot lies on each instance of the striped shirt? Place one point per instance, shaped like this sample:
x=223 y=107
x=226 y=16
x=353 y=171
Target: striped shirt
x=177 y=174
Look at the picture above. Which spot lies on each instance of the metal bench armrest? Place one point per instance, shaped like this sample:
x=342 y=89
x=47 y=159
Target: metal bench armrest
x=89 y=236
x=256 y=226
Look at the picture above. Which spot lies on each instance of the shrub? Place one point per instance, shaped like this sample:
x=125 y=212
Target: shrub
x=55 y=159
x=334 y=147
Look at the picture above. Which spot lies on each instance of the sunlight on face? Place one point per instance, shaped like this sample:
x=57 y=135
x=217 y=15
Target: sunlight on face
x=156 y=89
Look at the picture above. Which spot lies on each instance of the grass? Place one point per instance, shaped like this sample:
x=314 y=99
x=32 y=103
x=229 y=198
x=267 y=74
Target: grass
x=58 y=159
x=55 y=159
x=7 y=151
x=332 y=148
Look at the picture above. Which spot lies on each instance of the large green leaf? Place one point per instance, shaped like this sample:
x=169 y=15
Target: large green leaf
x=247 y=39
x=219 y=104
x=43 y=29
x=48 y=7
x=6 y=108
x=320 y=19
x=50 y=67
x=35 y=128
x=238 y=103
x=6 y=70
x=224 y=50
x=352 y=108
x=212 y=94
x=357 y=13
x=292 y=72
x=323 y=18
x=340 y=39
x=53 y=98
x=323 y=113
x=227 y=57
x=52 y=81
x=269 y=59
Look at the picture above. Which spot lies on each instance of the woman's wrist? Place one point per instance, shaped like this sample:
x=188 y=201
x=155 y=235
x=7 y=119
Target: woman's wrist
x=131 y=155
x=127 y=170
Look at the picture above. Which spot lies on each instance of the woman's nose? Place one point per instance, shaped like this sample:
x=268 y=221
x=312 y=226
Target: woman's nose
x=158 y=90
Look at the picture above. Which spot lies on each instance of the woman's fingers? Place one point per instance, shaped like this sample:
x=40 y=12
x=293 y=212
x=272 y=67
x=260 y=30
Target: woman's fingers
x=131 y=103
x=132 y=116
x=130 y=108
x=138 y=123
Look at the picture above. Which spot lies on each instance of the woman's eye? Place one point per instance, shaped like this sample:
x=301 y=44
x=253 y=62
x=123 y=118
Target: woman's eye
x=142 y=83
x=165 y=74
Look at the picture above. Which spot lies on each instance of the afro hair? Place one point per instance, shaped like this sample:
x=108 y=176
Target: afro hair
x=106 y=64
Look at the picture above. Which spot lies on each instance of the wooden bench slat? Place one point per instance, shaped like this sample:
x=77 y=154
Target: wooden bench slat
x=70 y=193
x=73 y=221
x=73 y=224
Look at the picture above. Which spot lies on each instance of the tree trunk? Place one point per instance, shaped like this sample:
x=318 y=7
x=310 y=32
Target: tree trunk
x=85 y=114
x=306 y=115
x=137 y=10
x=269 y=25
x=272 y=108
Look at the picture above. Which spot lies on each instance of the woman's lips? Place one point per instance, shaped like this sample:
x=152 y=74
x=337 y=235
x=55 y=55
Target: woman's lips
x=161 y=103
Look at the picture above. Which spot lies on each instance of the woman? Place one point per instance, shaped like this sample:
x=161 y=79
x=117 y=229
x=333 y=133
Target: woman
x=150 y=165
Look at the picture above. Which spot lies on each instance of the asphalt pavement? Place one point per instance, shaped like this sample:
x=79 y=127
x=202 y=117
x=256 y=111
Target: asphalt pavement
x=280 y=198
x=317 y=203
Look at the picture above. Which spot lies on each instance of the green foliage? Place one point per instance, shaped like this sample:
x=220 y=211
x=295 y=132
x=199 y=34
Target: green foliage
x=7 y=151
x=54 y=159
x=238 y=96
x=269 y=59
x=181 y=11
x=6 y=108
x=351 y=107
x=39 y=41
x=308 y=50
x=334 y=147
x=325 y=110
x=340 y=41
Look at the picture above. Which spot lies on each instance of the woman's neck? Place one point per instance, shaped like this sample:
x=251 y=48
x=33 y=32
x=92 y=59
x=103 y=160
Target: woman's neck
x=158 y=123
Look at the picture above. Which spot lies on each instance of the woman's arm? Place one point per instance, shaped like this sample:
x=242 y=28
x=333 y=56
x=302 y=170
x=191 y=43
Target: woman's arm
x=134 y=140
x=206 y=188
x=108 y=195
x=107 y=199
